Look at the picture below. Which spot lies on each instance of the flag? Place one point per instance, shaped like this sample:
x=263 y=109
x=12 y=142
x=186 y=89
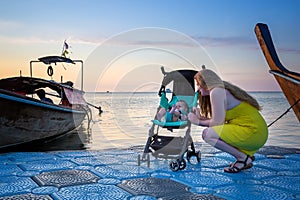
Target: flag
x=65 y=50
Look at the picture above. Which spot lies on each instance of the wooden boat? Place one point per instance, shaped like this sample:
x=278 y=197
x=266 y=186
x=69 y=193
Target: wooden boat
x=289 y=81
x=25 y=118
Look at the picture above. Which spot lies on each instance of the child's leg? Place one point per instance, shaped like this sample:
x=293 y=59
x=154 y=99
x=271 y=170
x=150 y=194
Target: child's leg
x=161 y=113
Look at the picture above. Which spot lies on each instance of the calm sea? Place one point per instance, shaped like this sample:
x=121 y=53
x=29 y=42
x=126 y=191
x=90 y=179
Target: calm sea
x=127 y=118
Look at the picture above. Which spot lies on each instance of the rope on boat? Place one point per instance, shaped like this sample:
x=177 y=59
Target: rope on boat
x=99 y=108
x=284 y=113
x=89 y=112
x=89 y=115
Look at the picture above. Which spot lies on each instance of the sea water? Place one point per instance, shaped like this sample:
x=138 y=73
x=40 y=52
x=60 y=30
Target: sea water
x=126 y=120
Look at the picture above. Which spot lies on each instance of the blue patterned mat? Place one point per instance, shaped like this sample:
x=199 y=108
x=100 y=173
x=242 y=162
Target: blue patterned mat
x=115 y=175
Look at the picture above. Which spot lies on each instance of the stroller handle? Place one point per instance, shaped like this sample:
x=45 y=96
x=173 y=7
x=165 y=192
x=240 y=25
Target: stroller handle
x=163 y=70
x=161 y=90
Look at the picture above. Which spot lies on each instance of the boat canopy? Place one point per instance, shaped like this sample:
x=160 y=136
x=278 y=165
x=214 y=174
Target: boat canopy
x=29 y=85
x=55 y=59
x=48 y=60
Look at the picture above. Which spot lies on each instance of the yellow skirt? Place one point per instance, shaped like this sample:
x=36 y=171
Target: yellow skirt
x=244 y=129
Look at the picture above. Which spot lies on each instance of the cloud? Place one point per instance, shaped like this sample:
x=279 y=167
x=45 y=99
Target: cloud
x=237 y=41
x=223 y=41
x=137 y=37
x=286 y=50
x=6 y=25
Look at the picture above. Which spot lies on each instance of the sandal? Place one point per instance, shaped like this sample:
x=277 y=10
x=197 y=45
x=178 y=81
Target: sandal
x=235 y=169
x=251 y=157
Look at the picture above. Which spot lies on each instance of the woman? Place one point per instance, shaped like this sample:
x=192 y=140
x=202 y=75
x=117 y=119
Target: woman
x=232 y=117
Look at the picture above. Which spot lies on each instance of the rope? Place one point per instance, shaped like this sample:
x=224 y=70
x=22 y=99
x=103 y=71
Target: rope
x=284 y=113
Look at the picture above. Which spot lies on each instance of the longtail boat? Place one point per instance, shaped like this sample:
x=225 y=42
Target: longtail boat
x=289 y=81
x=24 y=117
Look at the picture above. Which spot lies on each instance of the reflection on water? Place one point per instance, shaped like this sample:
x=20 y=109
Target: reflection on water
x=127 y=118
x=75 y=140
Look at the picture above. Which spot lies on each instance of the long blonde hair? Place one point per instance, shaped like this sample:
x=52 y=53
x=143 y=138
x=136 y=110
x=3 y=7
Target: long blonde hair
x=208 y=79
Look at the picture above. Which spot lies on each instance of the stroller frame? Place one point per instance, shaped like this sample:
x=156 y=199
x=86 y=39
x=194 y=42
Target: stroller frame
x=171 y=147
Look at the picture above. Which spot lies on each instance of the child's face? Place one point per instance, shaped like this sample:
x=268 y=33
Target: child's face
x=180 y=106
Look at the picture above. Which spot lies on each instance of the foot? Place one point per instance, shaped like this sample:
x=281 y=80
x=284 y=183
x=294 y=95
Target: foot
x=251 y=157
x=158 y=117
x=239 y=165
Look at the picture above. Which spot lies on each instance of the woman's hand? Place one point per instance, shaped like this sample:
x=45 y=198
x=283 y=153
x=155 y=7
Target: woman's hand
x=199 y=121
x=193 y=118
x=195 y=109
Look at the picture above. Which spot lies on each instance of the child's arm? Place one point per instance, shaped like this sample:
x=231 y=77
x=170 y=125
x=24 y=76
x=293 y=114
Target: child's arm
x=173 y=109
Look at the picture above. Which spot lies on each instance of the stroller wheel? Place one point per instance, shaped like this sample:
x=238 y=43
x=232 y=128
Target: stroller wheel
x=174 y=165
x=197 y=154
x=182 y=164
x=189 y=154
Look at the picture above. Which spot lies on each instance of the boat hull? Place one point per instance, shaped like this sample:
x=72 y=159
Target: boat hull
x=288 y=81
x=291 y=91
x=23 y=120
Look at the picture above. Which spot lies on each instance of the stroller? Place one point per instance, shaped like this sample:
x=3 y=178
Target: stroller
x=170 y=147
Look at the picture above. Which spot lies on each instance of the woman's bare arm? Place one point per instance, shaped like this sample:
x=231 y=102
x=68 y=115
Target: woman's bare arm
x=218 y=102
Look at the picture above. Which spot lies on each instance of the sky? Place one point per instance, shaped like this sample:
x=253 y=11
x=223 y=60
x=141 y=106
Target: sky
x=123 y=44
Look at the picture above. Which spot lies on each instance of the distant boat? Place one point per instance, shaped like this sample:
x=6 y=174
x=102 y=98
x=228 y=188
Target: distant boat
x=289 y=81
x=24 y=118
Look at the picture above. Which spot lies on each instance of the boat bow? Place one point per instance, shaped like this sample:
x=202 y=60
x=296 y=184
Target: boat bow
x=288 y=80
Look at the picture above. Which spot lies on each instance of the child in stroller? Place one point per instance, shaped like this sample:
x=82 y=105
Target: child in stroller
x=178 y=112
x=161 y=146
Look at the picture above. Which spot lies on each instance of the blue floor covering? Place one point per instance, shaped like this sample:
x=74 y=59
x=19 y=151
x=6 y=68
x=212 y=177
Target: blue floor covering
x=114 y=174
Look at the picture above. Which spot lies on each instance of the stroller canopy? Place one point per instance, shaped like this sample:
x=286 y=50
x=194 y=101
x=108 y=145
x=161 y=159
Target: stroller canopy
x=183 y=82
